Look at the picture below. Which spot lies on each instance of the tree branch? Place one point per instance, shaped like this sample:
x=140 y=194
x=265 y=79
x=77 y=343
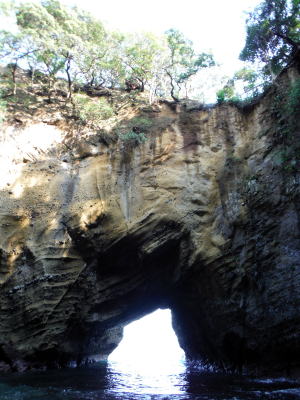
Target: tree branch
x=172 y=87
x=288 y=40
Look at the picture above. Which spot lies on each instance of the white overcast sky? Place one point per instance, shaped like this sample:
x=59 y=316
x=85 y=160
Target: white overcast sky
x=214 y=25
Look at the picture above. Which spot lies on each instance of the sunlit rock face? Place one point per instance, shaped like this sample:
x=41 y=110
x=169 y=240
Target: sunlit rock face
x=199 y=218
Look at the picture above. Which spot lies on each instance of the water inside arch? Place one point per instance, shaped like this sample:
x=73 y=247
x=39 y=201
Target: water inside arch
x=149 y=358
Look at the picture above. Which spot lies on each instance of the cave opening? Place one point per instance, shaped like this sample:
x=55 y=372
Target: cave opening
x=149 y=346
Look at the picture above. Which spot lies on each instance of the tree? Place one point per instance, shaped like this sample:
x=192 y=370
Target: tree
x=86 y=47
x=245 y=85
x=273 y=35
x=251 y=80
x=13 y=49
x=140 y=55
x=35 y=43
x=50 y=38
x=64 y=38
x=183 y=62
x=58 y=41
x=227 y=92
x=91 y=60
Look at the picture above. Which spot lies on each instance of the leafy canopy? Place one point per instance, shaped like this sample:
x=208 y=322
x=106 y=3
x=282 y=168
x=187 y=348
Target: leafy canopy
x=57 y=41
x=183 y=62
x=273 y=35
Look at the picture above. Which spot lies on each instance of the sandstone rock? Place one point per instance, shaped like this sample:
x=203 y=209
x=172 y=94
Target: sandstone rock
x=198 y=218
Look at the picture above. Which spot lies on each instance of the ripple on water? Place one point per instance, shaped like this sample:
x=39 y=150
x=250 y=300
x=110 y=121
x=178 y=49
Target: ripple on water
x=108 y=381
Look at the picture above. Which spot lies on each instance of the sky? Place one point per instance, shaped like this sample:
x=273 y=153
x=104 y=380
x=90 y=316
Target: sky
x=149 y=357
x=148 y=340
x=214 y=25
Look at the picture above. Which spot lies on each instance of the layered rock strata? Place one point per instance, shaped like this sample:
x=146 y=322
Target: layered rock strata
x=200 y=218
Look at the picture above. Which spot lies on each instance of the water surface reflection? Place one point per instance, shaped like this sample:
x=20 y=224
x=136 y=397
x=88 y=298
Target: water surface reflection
x=112 y=381
x=163 y=378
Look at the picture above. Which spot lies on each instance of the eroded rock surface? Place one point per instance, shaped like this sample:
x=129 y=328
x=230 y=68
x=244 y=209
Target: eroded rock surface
x=199 y=218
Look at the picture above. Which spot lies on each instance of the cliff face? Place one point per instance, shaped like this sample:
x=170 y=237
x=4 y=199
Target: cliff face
x=200 y=218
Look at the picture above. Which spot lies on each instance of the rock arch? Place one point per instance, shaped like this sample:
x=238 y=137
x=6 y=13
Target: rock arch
x=198 y=218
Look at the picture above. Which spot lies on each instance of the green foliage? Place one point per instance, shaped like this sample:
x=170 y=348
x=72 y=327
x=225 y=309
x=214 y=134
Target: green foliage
x=141 y=53
x=183 y=62
x=286 y=109
x=133 y=137
x=286 y=112
x=293 y=102
x=221 y=96
x=243 y=88
x=133 y=132
x=52 y=39
x=55 y=40
x=246 y=74
x=139 y=124
x=273 y=35
x=253 y=83
x=92 y=111
x=226 y=93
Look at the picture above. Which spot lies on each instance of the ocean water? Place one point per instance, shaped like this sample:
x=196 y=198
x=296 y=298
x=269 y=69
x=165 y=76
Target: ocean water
x=121 y=381
x=148 y=364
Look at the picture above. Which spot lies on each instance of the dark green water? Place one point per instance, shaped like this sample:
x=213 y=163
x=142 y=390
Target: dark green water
x=113 y=381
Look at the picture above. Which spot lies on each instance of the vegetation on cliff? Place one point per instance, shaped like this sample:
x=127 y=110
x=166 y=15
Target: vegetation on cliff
x=68 y=53
x=272 y=43
x=53 y=41
x=273 y=35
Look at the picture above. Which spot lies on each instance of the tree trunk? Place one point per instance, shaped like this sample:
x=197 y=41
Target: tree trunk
x=49 y=88
x=14 y=71
x=172 y=87
x=142 y=87
x=68 y=67
x=92 y=81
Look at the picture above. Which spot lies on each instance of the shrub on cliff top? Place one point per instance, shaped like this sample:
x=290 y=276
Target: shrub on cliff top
x=133 y=137
x=90 y=110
